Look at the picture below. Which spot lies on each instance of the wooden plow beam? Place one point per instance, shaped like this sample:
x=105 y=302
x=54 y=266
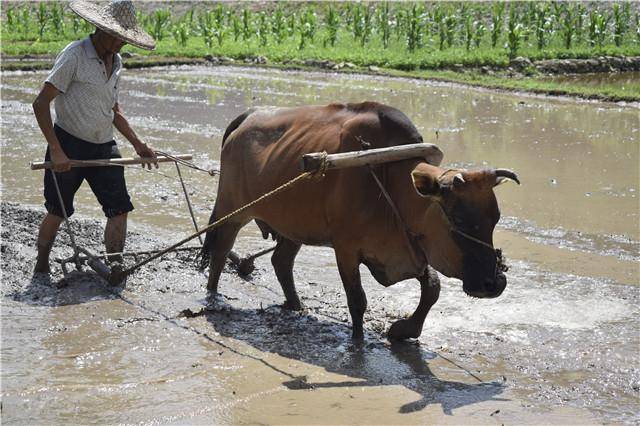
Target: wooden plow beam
x=114 y=161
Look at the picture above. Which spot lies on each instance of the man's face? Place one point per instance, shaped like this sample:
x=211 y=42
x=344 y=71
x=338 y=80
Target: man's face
x=110 y=44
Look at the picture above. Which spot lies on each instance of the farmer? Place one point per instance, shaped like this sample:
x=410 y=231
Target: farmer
x=84 y=83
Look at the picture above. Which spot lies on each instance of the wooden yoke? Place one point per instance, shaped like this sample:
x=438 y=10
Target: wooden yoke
x=320 y=160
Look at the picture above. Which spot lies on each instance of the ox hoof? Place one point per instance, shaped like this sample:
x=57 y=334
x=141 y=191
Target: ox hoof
x=293 y=306
x=403 y=329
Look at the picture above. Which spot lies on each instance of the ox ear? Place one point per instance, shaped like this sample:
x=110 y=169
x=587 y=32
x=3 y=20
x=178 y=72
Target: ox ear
x=426 y=184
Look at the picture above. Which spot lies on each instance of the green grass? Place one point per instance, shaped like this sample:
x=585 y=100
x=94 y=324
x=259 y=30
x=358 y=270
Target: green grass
x=427 y=61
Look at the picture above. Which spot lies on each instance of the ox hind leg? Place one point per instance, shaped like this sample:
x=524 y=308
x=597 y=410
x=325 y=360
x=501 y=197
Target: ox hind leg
x=412 y=326
x=223 y=239
x=282 y=261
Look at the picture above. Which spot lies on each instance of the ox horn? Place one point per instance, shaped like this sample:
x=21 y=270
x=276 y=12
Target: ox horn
x=502 y=175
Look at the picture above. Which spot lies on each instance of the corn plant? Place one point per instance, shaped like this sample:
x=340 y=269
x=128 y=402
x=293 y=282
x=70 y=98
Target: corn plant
x=580 y=14
x=478 y=32
x=568 y=29
x=497 y=18
x=76 y=24
x=25 y=21
x=357 y=22
x=529 y=20
x=263 y=29
x=621 y=18
x=246 y=24
x=206 y=28
x=12 y=19
x=468 y=32
x=57 y=19
x=292 y=24
x=542 y=25
x=597 y=28
x=514 y=33
x=384 y=24
x=279 y=26
x=42 y=15
x=638 y=27
x=401 y=20
x=414 y=27
x=332 y=23
x=158 y=24
x=311 y=18
x=557 y=9
x=366 y=25
x=450 y=23
x=219 y=28
x=305 y=30
x=236 y=27
x=181 y=32
x=438 y=20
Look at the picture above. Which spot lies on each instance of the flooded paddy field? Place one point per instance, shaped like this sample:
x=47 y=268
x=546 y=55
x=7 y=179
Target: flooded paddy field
x=559 y=346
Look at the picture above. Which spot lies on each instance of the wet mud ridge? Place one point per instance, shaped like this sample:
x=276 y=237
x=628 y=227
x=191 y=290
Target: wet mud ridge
x=162 y=352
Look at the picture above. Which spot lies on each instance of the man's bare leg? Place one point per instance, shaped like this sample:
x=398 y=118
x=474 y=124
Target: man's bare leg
x=46 y=236
x=115 y=234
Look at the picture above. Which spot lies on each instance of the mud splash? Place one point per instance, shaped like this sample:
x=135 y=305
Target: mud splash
x=563 y=335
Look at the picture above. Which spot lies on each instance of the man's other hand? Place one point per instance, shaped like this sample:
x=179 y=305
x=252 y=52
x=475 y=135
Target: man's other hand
x=145 y=151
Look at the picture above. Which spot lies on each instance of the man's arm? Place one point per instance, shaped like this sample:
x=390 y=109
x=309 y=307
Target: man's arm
x=121 y=123
x=42 y=111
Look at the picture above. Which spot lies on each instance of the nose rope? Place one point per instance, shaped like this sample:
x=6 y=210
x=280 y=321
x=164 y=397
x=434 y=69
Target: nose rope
x=500 y=260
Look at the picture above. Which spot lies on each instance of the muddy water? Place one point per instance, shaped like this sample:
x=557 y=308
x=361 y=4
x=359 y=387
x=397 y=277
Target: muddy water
x=558 y=346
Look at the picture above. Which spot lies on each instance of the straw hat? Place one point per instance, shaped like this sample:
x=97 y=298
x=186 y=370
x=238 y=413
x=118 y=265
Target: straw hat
x=118 y=19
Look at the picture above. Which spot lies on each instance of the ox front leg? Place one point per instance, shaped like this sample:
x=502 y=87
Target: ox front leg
x=412 y=326
x=348 y=266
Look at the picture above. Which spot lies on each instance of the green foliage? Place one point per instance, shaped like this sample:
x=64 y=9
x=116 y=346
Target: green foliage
x=236 y=27
x=384 y=24
x=263 y=28
x=332 y=25
x=159 y=23
x=206 y=28
x=181 y=33
x=478 y=33
x=279 y=26
x=621 y=17
x=246 y=25
x=497 y=19
x=414 y=27
x=307 y=28
x=42 y=16
x=402 y=35
x=568 y=29
x=514 y=33
x=468 y=32
x=57 y=19
x=598 y=23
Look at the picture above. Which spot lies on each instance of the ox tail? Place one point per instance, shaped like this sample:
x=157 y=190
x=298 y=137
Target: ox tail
x=236 y=123
x=208 y=246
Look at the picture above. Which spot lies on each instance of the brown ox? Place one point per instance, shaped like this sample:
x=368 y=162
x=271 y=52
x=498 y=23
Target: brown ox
x=262 y=149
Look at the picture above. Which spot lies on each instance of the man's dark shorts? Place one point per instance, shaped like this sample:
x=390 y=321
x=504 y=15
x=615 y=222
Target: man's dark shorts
x=107 y=183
